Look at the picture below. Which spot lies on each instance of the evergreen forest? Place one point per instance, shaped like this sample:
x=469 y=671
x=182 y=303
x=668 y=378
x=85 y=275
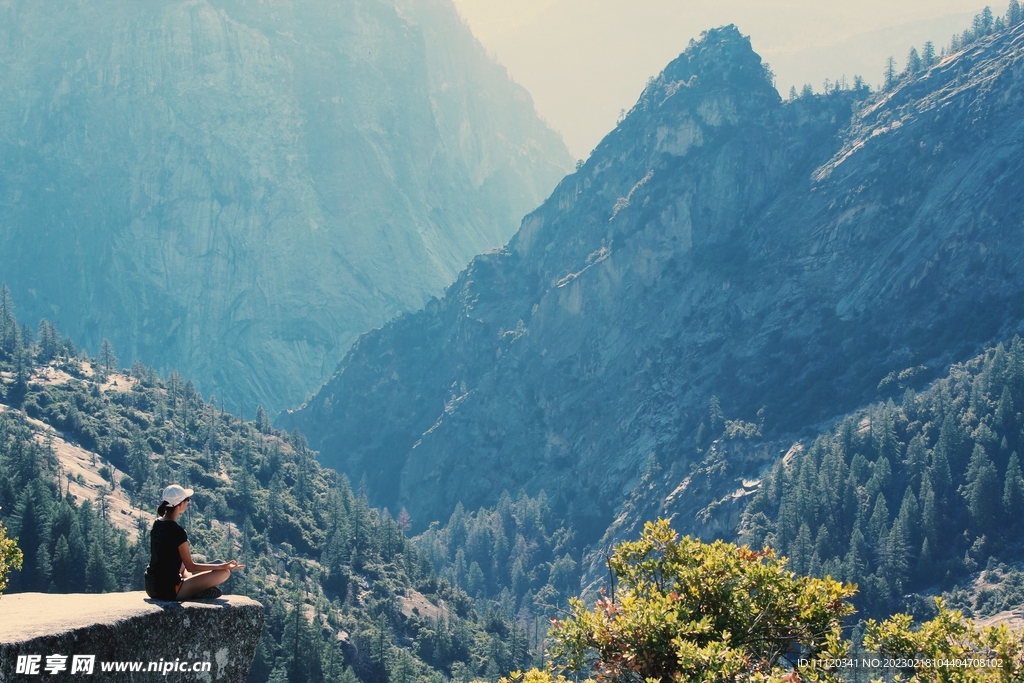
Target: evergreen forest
x=904 y=497
x=348 y=595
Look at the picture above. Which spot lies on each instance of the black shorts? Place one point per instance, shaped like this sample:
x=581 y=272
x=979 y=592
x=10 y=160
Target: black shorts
x=160 y=590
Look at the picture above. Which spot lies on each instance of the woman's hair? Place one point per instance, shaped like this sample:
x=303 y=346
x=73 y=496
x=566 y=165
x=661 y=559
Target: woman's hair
x=164 y=507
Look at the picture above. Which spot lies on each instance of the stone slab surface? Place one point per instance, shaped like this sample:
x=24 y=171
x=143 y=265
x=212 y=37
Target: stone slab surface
x=130 y=627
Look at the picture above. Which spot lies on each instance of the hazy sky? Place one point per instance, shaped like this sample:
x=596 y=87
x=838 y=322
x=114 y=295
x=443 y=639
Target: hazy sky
x=585 y=60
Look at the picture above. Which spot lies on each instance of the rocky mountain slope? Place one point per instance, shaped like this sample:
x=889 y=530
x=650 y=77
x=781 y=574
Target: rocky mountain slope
x=239 y=189
x=774 y=261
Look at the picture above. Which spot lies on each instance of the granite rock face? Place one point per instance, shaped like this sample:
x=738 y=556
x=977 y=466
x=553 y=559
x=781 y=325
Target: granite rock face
x=719 y=242
x=238 y=189
x=129 y=628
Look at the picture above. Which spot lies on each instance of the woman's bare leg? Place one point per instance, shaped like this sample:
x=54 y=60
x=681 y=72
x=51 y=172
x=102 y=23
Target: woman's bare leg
x=197 y=583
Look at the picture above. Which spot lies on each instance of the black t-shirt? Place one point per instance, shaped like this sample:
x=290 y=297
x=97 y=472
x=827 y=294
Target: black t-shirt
x=164 y=558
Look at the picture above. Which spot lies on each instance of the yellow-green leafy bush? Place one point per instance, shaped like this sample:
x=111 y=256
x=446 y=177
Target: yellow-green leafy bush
x=685 y=610
x=948 y=649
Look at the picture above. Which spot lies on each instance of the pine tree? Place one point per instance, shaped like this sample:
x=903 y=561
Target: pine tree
x=8 y=324
x=897 y=558
x=877 y=530
x=890 y=72
x=261 y=668
x=1004 y=410
x=715 y=417
x=823 y=542
x=458 y=575
x=140 y=467
x=121 y=563
x=860 y=468
x=32 y=523
x=76 y=546
x=950 y=446
x=476 y=582
x=98 y=578
x=881 y=477
x=1013 y=13
x=380 y=645
x=855 y=562
x=300 y=645
x=931 y=518
x=107 y=358
x=806 y=492
x=262 y=419
x=928 y=54
x=755 y=529
x=403 y=668
x=982 y=490
x=49 y=342
x=1013 y=493
x=404 y=520
x=916 y=460
x=801 y=549
x=926 y=562
x=913 y=61
x=832 y=479
x=62 y=576
x=910 y=518
x=939 y=475
x=788 y=521
x=987 y=21
x=43 y=568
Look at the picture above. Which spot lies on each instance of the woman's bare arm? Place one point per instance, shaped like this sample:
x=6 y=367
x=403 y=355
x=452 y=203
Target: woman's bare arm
x=196 y=567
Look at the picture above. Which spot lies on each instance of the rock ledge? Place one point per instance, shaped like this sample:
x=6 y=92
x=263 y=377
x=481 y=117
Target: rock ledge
x=130 y=627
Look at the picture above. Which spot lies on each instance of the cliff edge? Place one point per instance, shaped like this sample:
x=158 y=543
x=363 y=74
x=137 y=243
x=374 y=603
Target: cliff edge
x=117 y=634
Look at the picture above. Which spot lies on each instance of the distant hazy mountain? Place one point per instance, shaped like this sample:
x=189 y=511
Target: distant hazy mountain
x=238 y=189
x=718 y=243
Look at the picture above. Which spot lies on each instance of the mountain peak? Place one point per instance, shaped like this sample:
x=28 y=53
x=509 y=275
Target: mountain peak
x=718 y=80
x=722 y=57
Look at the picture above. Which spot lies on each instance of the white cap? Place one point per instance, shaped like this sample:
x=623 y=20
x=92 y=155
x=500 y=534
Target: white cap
x=174 y=494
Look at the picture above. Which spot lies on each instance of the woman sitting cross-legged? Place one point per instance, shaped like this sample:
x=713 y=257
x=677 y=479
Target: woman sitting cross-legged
x=171 y=574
